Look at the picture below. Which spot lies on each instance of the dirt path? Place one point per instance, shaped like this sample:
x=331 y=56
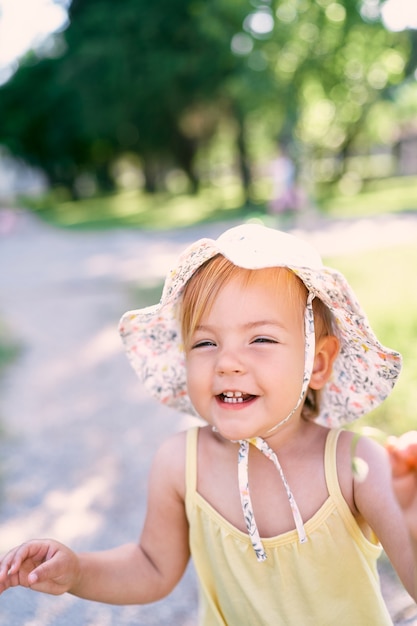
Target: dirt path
x=79 y=432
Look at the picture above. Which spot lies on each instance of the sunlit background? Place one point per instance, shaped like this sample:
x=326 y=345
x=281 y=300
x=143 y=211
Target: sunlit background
x=25 y=24
x=333 y=83
x=123 y=121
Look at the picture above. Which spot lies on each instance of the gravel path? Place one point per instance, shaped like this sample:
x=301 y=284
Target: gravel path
x=78 y=431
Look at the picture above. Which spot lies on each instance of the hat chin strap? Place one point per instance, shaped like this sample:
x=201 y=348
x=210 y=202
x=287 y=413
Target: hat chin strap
x=263 y=446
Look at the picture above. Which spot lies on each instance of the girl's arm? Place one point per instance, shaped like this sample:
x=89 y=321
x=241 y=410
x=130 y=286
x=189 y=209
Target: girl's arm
x=129 y=574
x=402 y=452
x=377 y=503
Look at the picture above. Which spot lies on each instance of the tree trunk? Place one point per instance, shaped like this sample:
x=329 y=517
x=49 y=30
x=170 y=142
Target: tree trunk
x=244 y=164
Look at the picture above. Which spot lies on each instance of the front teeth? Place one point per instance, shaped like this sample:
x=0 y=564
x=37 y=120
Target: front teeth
x=233 y=397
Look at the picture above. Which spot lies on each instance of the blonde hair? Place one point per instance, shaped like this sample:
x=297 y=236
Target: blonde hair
x=204 y=285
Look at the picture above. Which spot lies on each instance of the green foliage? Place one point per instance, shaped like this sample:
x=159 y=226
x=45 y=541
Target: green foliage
x=162 y=79
x=333 y=65
x=39 y=121
x=125 y=81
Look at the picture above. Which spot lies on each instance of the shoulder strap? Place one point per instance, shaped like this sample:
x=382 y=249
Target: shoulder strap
x=191 y=461
x=335 y=492
x=330 y=464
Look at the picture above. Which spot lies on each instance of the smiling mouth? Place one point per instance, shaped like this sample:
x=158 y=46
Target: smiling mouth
x=235 y=397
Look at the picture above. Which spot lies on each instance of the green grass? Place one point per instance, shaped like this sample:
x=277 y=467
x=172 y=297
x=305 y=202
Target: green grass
x=380 y=196
x=136 y=209
x=385 y=282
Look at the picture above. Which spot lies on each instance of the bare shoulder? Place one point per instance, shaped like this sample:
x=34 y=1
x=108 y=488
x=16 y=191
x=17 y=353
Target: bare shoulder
x=173 y=446
x=370 y=496
x=169 y=462
x=374 y=461
x=376 y=487
x=350 y=445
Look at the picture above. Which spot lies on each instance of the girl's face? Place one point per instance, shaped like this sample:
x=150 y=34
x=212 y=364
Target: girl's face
x=245 y=360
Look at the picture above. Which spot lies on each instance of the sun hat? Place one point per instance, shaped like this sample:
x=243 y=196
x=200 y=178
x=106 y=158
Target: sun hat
x=364 y=372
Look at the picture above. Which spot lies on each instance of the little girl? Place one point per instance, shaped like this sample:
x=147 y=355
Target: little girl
x=273 y=351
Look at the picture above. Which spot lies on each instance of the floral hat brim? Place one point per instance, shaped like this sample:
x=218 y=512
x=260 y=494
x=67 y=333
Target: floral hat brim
x=364 y=372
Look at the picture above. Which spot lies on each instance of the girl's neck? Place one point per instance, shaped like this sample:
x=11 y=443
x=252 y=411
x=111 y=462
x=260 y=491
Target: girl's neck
x=295 y=434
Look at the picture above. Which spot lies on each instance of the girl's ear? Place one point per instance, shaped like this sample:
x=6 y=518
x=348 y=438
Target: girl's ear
x=327 y=350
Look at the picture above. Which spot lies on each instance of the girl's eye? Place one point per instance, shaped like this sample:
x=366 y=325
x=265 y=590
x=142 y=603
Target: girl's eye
x=264 y=340
x=203 y=344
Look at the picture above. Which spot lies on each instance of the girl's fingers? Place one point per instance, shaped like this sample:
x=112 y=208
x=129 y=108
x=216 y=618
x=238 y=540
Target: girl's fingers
x=10 y=564
x=22 y=560
x=403 y=453
x=43 y=565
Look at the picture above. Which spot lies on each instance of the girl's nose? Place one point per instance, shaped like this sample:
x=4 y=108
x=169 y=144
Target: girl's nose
x=229 y=362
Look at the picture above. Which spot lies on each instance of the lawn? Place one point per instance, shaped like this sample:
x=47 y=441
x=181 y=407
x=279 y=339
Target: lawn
x=135 y=209
x=380 y=196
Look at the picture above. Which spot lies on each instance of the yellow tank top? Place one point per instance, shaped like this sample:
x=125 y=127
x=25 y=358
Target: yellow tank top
x=331 y=580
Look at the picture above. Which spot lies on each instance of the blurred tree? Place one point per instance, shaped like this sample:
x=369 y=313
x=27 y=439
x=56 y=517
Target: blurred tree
x=155 y=78
x=333 y=61
x=39 y=122
x=127 y=81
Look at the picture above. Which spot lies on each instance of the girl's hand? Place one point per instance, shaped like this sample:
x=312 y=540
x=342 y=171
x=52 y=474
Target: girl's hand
x=42 y=565
x=403 y=456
